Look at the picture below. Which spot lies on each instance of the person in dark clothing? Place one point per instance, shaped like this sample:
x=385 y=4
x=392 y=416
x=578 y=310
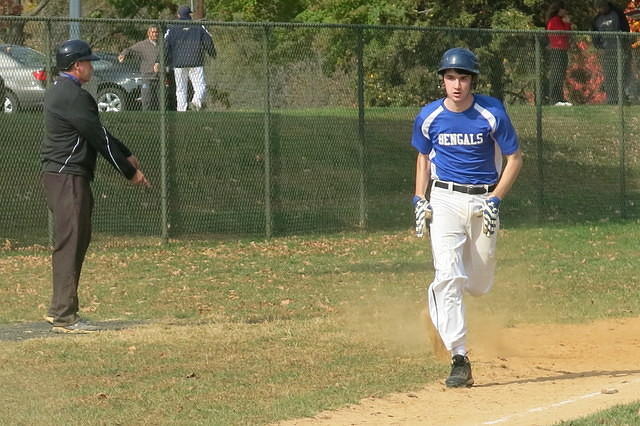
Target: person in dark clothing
x=73 y=137
x=611 y=19
x=186 y=46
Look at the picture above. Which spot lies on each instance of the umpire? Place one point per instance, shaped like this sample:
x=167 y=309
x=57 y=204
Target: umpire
x=73 y=137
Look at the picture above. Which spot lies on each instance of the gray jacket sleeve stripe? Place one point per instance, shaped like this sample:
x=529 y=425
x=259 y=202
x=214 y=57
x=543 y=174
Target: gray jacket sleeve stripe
x=70 y=155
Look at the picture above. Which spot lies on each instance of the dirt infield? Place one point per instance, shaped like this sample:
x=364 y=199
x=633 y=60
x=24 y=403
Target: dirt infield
x=525 y=375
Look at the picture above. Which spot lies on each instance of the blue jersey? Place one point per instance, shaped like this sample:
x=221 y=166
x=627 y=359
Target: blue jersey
x=465 y=147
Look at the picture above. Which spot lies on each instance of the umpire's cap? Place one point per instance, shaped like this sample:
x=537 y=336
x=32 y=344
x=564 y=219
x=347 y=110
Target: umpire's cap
x=72 y=51
x=461 y=59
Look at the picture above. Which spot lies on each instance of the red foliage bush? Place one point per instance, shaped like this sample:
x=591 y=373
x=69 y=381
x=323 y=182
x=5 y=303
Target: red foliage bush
x=584 y=76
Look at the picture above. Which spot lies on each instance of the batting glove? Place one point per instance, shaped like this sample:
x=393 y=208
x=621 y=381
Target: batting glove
x=424 y=213
x=490 y=213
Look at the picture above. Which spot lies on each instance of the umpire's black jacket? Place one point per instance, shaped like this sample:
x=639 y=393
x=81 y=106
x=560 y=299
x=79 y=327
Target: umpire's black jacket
x=74 y=134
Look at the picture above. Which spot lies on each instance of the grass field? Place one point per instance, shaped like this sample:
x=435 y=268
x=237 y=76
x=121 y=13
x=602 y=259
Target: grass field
x=245 y=331
x=250 y=332
x=618 y=416
x=215 y=166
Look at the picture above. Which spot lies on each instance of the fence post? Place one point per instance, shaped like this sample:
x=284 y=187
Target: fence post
x=621 y=53
x=268 y=214
x=362 y=148
x=48 y=51
x=75 y=11
x=539 y=138
x=162 y=107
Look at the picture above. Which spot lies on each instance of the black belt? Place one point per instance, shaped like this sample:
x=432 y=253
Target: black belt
x=466 y=189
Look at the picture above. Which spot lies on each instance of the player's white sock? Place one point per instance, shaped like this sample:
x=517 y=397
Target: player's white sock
x=459 y=350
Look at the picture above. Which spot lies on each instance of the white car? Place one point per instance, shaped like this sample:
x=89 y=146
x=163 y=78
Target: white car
x=24 y=76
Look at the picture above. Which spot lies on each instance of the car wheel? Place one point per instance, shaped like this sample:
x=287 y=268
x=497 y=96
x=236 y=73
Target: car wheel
x=10 y=102
x=111 y=99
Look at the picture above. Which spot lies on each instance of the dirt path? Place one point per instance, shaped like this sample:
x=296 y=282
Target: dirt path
x=33 y=330
x=526 y=375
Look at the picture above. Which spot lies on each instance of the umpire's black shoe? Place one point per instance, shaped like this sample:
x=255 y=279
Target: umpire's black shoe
x=460 y=372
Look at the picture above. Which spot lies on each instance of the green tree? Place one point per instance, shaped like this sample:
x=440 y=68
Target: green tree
x=400 y=64
x=254 y=10
x=14 y=33
x=373 y=12
x=138 y=9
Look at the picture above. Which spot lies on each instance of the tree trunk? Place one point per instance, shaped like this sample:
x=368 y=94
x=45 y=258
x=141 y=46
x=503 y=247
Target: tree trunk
x=200 y=12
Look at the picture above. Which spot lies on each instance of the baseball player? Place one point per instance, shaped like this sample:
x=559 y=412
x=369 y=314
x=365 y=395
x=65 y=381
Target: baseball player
x=186 y=46
x=461 y=141
x=73 y=137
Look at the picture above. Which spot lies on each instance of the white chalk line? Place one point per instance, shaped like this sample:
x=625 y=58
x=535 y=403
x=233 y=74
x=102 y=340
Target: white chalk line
x=553 y=405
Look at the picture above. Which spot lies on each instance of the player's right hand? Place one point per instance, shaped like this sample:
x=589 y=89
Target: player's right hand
x=423 y=212
x=490 y=213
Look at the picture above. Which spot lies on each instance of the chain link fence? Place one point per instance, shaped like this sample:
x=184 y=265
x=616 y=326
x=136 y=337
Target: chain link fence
x=306 y=128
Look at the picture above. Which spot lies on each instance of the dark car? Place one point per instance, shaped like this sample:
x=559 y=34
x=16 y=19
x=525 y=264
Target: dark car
x=118 y=83
x=24 y=75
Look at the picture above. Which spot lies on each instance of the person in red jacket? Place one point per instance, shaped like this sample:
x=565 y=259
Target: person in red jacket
x=558 y=57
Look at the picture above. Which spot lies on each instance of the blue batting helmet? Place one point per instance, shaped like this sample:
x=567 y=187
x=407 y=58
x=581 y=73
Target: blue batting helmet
x=459 y=58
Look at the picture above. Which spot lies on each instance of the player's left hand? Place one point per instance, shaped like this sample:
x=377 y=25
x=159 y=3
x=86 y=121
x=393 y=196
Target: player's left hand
x=490 y=212
x=423 y=212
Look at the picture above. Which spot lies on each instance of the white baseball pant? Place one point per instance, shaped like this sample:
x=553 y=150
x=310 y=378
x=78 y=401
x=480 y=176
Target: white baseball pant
x=182 y=77
x=464 y=260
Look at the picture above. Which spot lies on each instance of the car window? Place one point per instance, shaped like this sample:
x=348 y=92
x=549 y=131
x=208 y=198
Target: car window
x=25 y=56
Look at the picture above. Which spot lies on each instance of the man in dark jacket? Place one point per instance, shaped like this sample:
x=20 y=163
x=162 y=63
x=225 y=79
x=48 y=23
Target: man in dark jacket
x=73 y=137
x=186 y=46
x=610 y=19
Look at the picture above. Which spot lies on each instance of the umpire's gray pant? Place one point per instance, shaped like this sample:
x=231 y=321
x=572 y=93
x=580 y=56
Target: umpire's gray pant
x=70 y=199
